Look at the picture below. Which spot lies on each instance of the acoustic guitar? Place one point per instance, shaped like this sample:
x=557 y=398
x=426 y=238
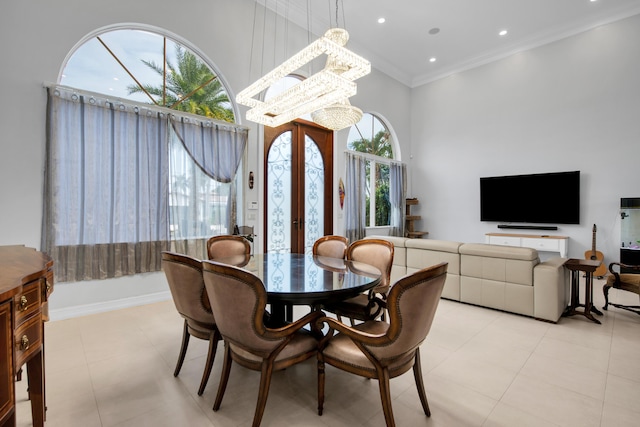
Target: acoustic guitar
x=594 y=254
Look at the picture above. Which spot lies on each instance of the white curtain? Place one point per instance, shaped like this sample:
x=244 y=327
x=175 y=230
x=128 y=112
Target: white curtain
x=355 y=194
x=107 y=184
x=106 y=194
x=397 y=197
x=204 y=160
x=355 y=200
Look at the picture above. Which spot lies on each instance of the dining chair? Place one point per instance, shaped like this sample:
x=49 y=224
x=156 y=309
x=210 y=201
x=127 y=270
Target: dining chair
x=186 y=284
x=379 y=350
x=331 y=246
x=627 y=278
x=370 y=305
x=225 y=245
x=238 y=297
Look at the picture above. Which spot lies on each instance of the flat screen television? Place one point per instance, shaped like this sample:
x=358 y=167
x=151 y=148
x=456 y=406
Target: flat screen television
x=545 y=198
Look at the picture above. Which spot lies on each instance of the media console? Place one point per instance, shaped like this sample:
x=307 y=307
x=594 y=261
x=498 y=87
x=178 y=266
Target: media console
x=540 y=242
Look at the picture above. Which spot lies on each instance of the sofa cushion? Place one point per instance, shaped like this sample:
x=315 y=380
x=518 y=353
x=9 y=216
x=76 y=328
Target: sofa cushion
x=499 y=251
x=421 y=253
x=498 y=269
x=434 y=245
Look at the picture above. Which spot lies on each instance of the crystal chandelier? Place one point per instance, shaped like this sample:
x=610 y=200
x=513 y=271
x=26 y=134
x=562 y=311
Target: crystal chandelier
x=337 y=116
x=329 y=88
x=341 y=114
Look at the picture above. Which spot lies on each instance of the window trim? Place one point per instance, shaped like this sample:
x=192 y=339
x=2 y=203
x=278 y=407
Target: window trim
x=165 y=33
x=374 y=160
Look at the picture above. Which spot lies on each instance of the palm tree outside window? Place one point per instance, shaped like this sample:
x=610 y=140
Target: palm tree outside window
x=372 y=137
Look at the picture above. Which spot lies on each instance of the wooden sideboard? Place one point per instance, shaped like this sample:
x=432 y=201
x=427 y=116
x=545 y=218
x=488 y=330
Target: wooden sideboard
x=26 y=281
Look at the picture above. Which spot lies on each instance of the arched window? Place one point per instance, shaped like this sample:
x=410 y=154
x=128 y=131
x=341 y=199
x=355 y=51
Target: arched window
x=149 y=67
x=372 y=137
x=144 y=127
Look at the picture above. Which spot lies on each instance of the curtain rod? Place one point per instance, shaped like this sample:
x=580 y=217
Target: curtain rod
x=375 y=158
x=154 y=108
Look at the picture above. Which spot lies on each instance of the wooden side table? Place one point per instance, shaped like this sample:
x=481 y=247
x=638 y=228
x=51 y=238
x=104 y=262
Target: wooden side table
x=587 y=266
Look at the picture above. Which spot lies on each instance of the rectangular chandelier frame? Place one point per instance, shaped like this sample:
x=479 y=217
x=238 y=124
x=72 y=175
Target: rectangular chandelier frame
x=318 y=91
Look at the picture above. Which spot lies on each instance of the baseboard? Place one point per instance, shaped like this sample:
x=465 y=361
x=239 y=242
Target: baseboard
x=101 y=307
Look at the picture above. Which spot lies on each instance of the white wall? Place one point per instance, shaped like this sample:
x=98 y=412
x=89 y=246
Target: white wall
x=570 y=105
x=36 y=37
x=390 y=101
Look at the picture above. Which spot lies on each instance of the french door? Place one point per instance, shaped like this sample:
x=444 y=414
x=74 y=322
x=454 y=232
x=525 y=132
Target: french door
x=298 y=179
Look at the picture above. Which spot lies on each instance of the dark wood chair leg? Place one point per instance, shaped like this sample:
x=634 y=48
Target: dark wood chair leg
x=224 y=377
x=417 y=374
x=263 y=394
x=605 y=291
x=385 y=396
x=289 y=313
x=211 y=356
x=183 y=349
x=320 y=384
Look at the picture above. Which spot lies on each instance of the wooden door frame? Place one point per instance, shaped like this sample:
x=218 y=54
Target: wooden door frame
x=298 y=129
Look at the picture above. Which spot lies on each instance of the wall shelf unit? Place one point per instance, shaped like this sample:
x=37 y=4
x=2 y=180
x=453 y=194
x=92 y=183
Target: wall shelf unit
x=410 y=232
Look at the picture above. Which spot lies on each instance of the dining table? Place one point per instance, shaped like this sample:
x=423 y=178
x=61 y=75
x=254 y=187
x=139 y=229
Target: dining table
x=304 y=279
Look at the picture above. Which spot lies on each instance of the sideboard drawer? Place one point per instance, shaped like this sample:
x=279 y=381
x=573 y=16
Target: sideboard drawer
x=28 y=302
x=28 y=340
x=551 y=245
x=7 y=399
x=504 y=240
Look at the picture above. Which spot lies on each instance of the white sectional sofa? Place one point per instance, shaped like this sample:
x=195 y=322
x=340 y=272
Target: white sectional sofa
x=506 y=278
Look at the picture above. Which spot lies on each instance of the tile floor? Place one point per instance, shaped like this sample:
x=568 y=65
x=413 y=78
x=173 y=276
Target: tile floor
x=482 y=368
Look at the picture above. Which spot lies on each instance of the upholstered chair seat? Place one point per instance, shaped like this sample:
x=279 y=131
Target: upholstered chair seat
x=379 y=350
x=378 y=253
x=239 y=297
x=300 y=343
x=184 y=275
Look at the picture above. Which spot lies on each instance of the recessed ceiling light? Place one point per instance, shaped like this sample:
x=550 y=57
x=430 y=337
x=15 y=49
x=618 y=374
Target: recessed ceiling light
x=381 y=20
x=503 y=32
x=432 y=59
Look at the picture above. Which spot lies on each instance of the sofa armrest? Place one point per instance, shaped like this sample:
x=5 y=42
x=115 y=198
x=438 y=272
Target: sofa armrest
x=550 y=289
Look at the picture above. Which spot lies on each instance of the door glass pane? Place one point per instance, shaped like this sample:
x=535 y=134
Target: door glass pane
x=314 y=194
x=279 y=195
